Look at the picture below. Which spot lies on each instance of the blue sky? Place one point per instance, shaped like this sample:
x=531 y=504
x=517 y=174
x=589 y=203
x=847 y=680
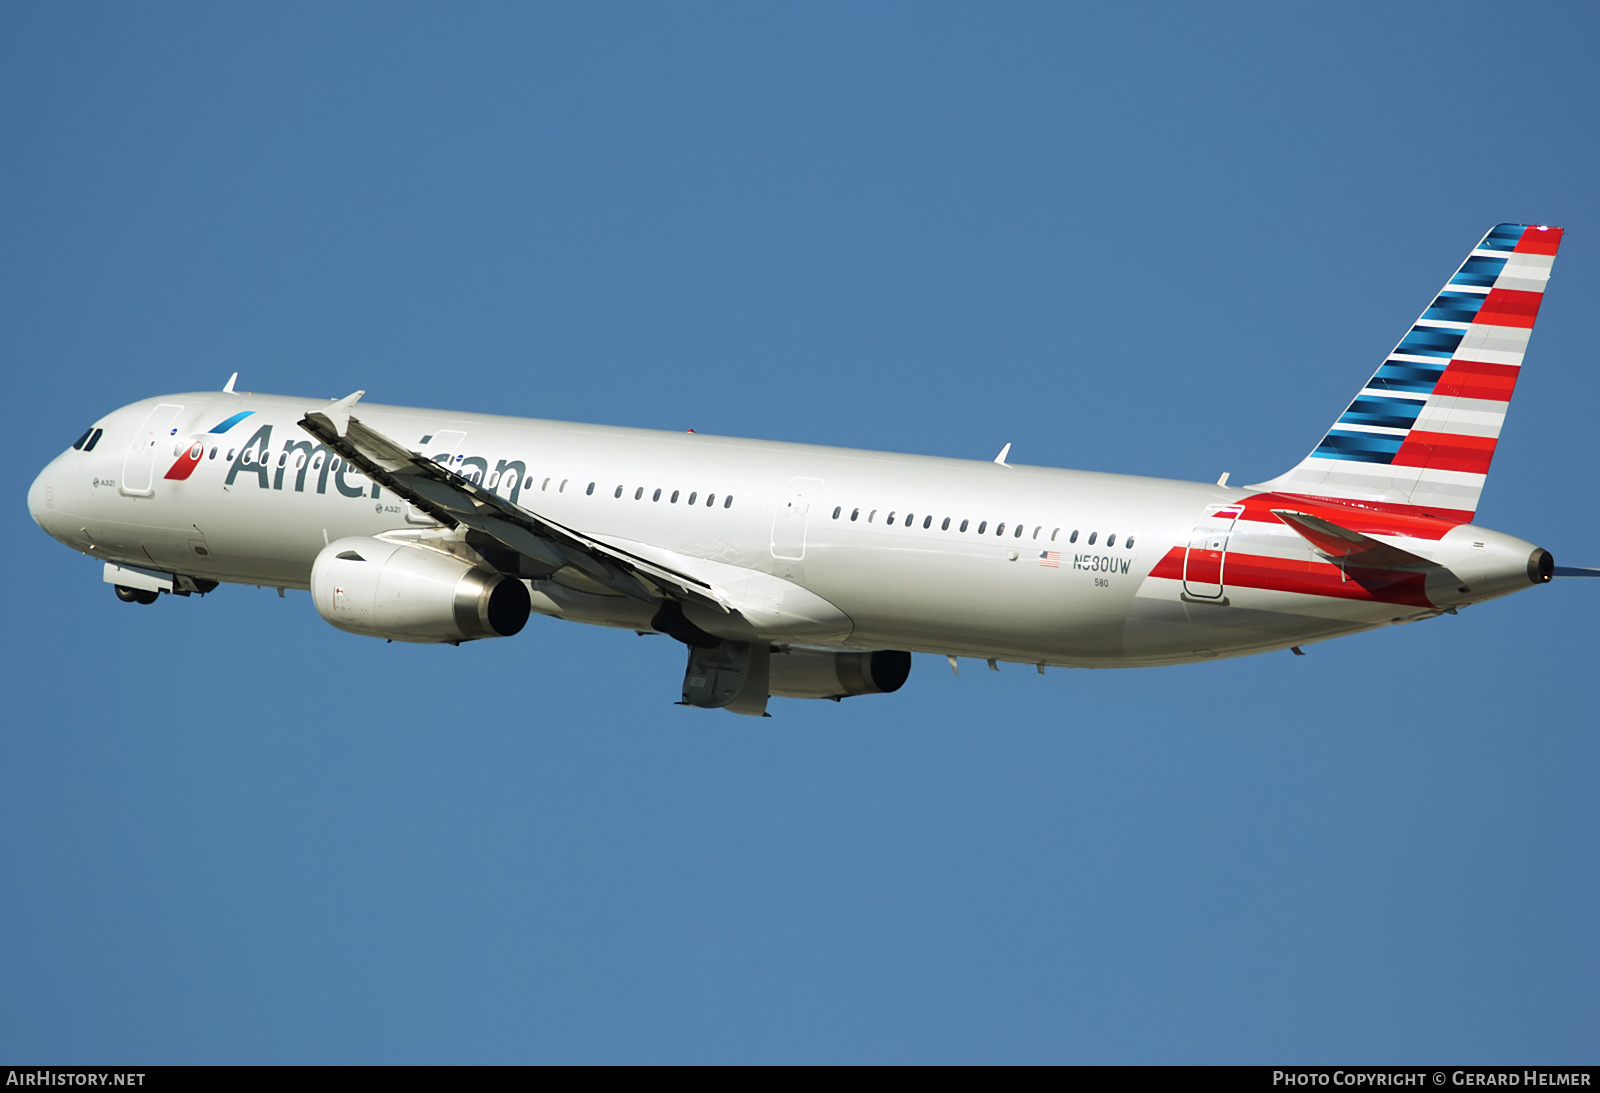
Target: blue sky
x=1159 y=239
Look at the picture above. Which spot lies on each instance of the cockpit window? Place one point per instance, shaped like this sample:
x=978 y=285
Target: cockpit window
x=77 y=445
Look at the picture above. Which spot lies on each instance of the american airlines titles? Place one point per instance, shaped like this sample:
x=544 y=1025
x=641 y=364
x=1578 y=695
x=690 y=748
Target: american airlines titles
x=254 y=459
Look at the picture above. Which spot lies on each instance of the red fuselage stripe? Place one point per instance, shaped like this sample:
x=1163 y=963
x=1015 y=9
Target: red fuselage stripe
x=1306 y=577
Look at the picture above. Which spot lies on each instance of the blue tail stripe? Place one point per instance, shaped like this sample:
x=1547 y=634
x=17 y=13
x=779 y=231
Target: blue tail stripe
x=1361 y=447
x=1502 y=237
x=1479 y=271
x=1408 y=376
x=1389 y=413
x=1427 y=341
x=1454 y=307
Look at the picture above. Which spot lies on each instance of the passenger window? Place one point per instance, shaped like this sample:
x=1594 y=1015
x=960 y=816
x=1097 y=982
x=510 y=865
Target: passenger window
x=213 y=455
x=853 y=514
x=1111 y=540
x=946 y=525
x=983 y=525
x=1092 y=534
x=656 y=496
x=1000 y=528
x=590 y=490
x=619 y=492
x=1073 y=538
x=638 y=493
x=1129 y=544
x=927 y=521
x=871 y=514
x=544 y=485
x=674 y=498
x=528 y=485
x=1054 y=533
x=563 y=487
x=1036 y=532
x=231 y=452
x=727 y=502
x=1018 y=533
x=692 y=495
x=890 y=521
x=963 y=525
x=836 y=511
x=910 y=517
x=710 y=497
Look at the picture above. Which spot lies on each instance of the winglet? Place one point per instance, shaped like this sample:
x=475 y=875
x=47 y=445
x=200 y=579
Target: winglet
x=1001 y=458
x=227 y=388
x=337 y=416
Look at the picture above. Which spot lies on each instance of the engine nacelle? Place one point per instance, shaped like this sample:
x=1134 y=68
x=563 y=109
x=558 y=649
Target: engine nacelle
x=818 y=673
x=410 y=593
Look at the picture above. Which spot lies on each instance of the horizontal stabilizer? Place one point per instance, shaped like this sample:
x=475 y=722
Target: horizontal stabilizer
x=1576 y=571
x=1349 y=547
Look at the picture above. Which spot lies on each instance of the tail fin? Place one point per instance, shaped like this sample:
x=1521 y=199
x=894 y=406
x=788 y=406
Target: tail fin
x=1420 y=435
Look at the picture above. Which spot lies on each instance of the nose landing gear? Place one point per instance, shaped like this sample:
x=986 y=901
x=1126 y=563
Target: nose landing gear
x=135 y=595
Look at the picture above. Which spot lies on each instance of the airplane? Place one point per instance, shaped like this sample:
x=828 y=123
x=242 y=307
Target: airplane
x=801 y=571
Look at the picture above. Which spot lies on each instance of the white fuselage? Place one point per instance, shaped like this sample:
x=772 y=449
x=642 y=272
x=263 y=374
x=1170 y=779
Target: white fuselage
x=879 y=537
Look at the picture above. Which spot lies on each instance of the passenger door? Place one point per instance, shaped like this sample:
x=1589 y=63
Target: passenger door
x=139 y=466
x=1206 y=558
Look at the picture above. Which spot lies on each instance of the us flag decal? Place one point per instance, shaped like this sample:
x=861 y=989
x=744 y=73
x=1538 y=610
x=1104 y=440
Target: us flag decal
x=1051 y=559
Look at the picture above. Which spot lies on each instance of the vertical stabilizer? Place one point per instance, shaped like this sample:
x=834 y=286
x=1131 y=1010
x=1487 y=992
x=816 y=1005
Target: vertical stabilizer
x=1420 y=435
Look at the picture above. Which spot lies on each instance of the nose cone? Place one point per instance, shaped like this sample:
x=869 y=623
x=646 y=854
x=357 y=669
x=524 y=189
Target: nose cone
x=43 y=502
x=41 y=499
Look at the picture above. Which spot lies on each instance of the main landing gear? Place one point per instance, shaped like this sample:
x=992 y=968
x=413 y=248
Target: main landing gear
x=135 y=595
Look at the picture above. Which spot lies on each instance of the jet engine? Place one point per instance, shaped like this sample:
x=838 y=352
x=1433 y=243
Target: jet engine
x=410 y=593
x=818 y=673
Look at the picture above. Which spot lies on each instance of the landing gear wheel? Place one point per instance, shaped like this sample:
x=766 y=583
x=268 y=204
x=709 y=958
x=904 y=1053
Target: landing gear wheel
x=135 y=595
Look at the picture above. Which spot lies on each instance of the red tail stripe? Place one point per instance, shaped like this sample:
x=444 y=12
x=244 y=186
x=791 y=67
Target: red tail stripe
x=1446 y=452
x=1509 y=307
x=1535 y=241
x=1478 y=379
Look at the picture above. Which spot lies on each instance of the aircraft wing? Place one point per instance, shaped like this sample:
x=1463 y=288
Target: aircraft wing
x=1350 y=547
x=457 y=502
